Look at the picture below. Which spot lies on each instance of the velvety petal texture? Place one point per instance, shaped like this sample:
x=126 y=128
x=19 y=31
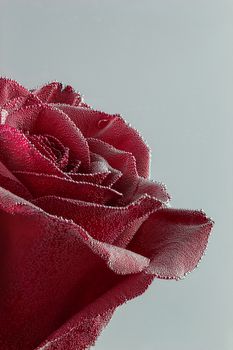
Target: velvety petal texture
x=83 y=228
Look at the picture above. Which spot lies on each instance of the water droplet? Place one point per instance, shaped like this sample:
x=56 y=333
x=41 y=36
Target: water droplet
x=102 y=123
x=4 y=114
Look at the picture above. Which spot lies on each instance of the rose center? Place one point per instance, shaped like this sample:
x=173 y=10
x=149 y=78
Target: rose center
x=52 y=149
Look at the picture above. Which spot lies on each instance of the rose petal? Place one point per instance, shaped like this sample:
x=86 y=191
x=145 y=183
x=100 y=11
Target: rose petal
x=112 y=129
x=18 y=102
x=174 y=240
x=119 y=260
x=124 y=238
x=56 y=93
x=41 y=143
x=99 y=164
x=10 y=89
x=121 y=160
x=80 y=336
x=104 y=223
x=52 y=148
x=45 y=185
x=83 y=328
x=96 y=178
x=17 y=153
x=53 y=270
x=11 y=183
x=153 y=188
x=130 y=184
x=41 y=119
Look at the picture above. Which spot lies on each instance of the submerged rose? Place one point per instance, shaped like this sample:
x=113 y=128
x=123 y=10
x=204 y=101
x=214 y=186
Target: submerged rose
x=83 y=229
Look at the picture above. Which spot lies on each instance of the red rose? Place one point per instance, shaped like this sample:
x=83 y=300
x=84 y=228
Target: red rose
x=83 y=229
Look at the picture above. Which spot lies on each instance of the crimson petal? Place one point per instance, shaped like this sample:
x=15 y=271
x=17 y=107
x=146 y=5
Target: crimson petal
x=17 y=103
x=11 y=183
x=153 y=188
x=95 y=178
x=44 y=185
x=82 y=330
x=121 y=160
x=132 y=185
x=174 y=240
x=10 y=89
x=55 y=93
x=100 y=164
x=98 y=219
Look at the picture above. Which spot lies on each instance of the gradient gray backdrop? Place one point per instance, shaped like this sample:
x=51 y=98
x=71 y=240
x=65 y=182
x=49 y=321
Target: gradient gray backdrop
x=167 y=67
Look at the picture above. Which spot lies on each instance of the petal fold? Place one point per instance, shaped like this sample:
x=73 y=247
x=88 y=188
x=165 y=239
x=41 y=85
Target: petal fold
x=11 y=183
x=17 y=153
x=55 y=274
x=43 y=119
x=10 y=89
x=174 y=240
x=98 y=219
x=111 y=129
x=54 y=92
x=44 y=185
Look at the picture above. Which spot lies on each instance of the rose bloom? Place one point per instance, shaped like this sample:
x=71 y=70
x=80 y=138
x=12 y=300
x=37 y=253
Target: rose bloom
x=83 y=229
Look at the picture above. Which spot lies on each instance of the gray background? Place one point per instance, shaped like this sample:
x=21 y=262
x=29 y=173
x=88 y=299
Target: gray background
x=166 y=66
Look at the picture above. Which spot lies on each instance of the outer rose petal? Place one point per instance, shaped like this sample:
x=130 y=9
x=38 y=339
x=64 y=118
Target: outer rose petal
x=77 y=333
x=113 y=130
x=55 y=93
x=174 y=240
x=19 y=102
x=78 y=337
x=98 y=219
x=153 y=188
x=54 y=271
x=10 y=89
